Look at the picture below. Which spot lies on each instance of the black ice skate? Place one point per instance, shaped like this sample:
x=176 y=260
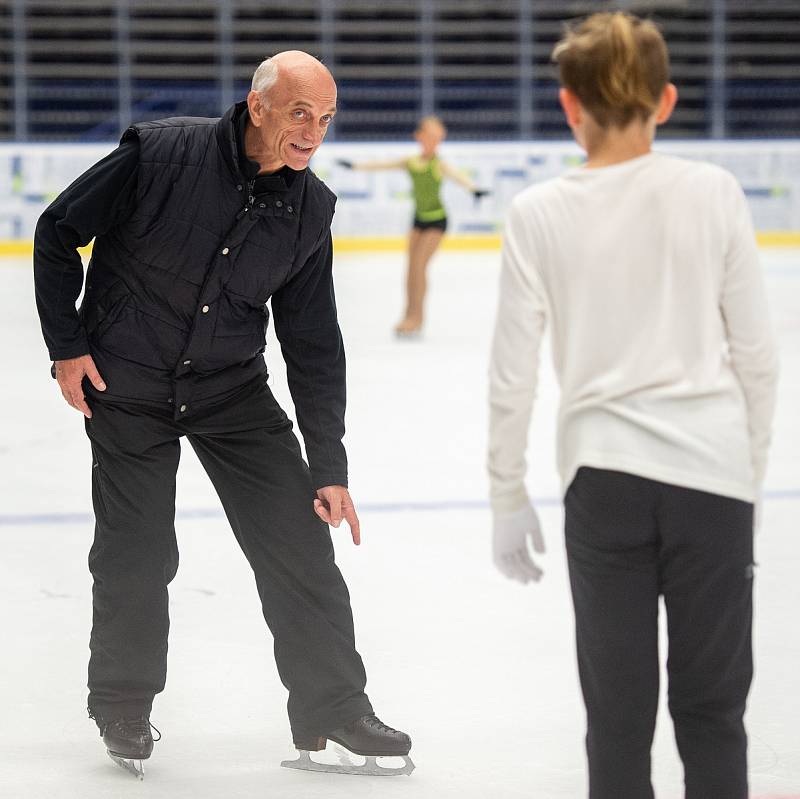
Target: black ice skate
x=368 y=737
x=128 y=741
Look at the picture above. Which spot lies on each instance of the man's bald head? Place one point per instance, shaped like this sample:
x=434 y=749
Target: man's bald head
x=291 y=64
x=297 y=59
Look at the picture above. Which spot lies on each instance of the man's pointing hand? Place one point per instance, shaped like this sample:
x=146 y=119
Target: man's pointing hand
x=333 y=504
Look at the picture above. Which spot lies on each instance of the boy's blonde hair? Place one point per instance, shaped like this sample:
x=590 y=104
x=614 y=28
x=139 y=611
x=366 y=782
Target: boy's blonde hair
x=616 y=64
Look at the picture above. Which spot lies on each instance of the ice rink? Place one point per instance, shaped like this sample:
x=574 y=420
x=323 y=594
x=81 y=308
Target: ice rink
x=480 y=671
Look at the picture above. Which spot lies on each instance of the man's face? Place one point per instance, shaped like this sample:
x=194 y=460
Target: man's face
x=302 y=105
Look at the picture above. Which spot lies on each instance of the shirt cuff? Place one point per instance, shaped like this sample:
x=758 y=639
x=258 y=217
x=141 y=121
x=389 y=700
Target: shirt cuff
x=321 y=479
x=80 y=347
x=509 y=501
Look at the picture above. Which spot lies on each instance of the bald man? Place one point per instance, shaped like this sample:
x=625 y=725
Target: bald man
x=196 y=224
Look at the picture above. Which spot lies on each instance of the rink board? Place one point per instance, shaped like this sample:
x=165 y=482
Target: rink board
x=374 y=208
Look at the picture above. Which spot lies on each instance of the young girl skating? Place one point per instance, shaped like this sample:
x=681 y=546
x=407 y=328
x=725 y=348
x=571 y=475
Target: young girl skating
x=429 y=223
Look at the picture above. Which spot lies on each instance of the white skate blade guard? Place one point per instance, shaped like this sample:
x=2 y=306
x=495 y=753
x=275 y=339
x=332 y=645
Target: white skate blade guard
x=129 y=765
x=370 y=767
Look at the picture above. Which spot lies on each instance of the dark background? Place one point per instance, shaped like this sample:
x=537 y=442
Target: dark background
x=82 y=70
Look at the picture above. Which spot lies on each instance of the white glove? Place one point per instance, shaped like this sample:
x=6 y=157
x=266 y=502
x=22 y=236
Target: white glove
x=510 y=533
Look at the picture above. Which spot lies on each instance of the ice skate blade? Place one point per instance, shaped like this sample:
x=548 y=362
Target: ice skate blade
x=129 y=765
x=370 y=768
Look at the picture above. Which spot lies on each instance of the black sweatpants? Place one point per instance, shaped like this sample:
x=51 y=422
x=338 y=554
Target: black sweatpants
x=253 y=458
x=629 y=540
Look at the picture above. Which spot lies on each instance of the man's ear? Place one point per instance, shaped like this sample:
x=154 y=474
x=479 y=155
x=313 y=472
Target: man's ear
x=571 y=106
x=667 y=103
x=255 y=104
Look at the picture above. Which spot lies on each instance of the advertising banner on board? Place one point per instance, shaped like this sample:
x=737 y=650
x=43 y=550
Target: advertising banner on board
x=378 y=203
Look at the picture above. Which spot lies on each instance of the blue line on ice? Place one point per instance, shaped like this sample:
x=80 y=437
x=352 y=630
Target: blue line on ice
x=12 y=519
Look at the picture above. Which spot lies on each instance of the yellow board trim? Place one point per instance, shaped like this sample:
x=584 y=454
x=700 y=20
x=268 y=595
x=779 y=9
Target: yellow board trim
x=766 y=239
x=16 y=248
x=458 y=243
x=19 y=247
x=778 y=238
x=398 y=243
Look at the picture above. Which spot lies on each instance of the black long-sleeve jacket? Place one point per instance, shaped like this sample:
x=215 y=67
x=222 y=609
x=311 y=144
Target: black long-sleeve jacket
x=189 y=244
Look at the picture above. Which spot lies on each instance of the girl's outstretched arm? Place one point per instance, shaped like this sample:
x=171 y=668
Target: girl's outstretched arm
x=373 y=166
x=462 y=180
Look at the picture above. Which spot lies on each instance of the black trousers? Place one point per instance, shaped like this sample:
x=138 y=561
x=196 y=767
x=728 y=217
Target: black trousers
x=253 y=458
x=628 y=541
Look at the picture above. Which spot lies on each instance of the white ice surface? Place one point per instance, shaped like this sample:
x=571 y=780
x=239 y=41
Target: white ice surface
x=479 y=670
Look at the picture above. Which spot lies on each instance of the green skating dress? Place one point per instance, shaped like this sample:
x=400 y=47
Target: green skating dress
x=426 y=181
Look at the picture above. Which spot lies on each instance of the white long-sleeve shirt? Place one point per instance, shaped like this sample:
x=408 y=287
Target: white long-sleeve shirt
x=647 y=274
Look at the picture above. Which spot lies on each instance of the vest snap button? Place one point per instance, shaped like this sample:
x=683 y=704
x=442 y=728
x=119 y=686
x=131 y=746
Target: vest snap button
x=186 y=363
x=278 y=204
x=289 y=208
x=204 y=309
x=239 y=187
x=225 y=251
x=183 y=409
x=262 y=205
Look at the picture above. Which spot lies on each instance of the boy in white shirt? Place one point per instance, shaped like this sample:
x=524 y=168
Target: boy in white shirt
x=646 y=269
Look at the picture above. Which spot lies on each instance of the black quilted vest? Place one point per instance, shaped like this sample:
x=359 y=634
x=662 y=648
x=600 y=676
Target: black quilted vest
x=175 y=296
